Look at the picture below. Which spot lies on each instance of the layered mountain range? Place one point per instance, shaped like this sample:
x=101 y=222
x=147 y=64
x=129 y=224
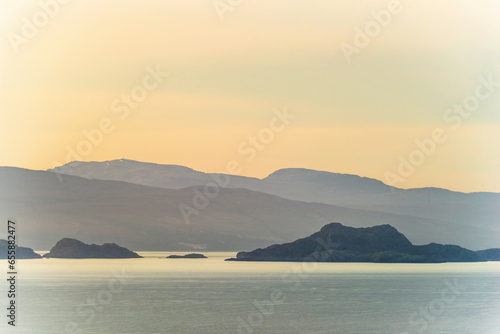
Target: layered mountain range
x=146 y=206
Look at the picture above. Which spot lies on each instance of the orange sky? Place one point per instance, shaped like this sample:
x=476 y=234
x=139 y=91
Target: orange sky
x=90 y=65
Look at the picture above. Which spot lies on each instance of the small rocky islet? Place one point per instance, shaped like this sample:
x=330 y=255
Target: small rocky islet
x=68 y=248
x=20 y=252
x=187 y=256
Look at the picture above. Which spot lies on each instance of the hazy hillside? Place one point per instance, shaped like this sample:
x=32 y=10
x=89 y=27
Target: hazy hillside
x=476 y=210
x=148 y=218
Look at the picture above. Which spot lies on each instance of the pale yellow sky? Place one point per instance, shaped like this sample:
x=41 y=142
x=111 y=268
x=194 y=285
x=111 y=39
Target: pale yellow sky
x=65 y=71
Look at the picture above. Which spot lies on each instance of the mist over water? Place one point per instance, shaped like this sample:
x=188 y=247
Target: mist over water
x=158 y=295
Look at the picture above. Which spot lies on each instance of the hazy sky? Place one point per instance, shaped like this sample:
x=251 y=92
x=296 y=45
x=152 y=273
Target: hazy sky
x=360 y=102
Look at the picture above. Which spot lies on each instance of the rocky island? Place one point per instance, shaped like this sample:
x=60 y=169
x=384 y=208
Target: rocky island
x=338 y=243
x=21 y=252
x=74 y=249
x=187 y=256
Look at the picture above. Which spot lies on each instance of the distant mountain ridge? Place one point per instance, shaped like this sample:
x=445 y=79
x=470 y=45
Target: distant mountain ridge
x=176 y=176
x=480 y=211
x=338 y=243
x=149 y=174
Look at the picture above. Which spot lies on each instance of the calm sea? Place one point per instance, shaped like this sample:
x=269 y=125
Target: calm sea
x=210 y=296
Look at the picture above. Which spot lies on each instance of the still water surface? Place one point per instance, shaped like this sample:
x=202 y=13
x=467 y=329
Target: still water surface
x=210 y=296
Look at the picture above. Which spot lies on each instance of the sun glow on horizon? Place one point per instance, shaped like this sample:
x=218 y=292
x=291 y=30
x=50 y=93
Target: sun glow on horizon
x=172 y=83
